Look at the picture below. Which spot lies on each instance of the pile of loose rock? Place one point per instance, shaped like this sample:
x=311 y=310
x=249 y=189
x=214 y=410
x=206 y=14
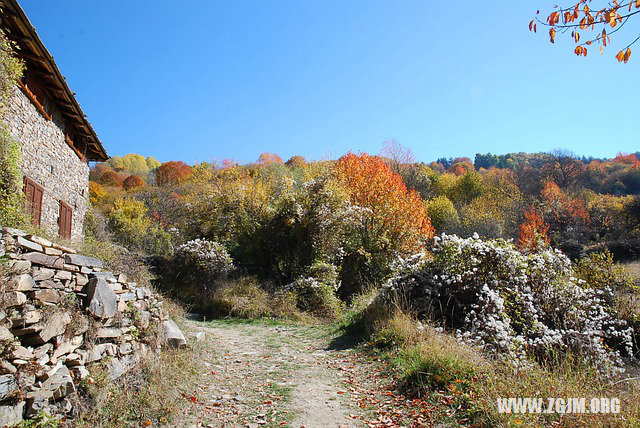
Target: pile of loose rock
x=61 y=314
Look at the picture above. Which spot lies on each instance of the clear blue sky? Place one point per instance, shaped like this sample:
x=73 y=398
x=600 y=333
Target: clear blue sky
x=197 y=80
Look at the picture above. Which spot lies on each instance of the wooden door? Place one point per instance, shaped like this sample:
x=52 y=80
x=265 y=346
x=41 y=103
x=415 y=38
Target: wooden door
x=64 y=221
x=34 y=195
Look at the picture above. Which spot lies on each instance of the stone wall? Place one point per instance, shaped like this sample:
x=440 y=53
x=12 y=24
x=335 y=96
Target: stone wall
x=61 y=314
x=49 y=161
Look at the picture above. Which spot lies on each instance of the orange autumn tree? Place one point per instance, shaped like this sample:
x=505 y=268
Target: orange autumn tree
x=267 y=158
x=133 y=182
x=396 y=212
x=172 y=173
x=590 y=22
x=533 y=233
x=625 y=159
x=562 y=205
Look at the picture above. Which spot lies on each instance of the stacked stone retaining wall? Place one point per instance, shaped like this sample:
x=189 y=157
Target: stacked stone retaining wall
x=61 y=314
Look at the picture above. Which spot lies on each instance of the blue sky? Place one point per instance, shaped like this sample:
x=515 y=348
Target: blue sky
x=197 y=80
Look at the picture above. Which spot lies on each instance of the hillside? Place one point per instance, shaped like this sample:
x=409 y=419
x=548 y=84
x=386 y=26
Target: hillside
x=447 y=271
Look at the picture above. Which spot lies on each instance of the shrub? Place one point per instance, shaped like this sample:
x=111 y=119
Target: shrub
x=517 y=305
x=443 y=214
x=600 y=271
x=433 y=365
x=309 y=223
x=129 y=222
x=96 y=192
x=203 y=262
x=240 y=298
x=132 y=182
x=316 y=292
x=533 y=233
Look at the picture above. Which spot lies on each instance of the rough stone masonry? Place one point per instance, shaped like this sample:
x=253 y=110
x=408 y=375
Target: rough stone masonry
x=60 y=314
x=49 y=161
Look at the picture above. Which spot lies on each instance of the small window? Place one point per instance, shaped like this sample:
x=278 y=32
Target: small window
x=64 y=221
x=34 y=195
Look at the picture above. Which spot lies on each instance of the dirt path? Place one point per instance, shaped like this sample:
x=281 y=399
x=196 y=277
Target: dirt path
x=261 y=375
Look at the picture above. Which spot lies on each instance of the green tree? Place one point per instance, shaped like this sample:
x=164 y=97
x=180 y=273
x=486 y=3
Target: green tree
x=443 y=214
x=134 y=164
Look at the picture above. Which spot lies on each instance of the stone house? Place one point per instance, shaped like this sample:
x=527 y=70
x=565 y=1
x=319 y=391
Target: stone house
x=57 y=140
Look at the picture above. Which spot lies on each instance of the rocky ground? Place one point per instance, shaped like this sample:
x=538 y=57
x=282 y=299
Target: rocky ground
x=257 y=374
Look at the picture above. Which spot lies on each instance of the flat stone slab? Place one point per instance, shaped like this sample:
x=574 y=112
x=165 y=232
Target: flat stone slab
x=39 y=240
x=78 y=260
x=42 y=274
x=20 y=266
x=47 y=295
x=5 y=334
x=25 y=243
x=64 y=248
x=37 y=258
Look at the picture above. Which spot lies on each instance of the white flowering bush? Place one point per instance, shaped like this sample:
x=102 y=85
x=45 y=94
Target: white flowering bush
x=518 y=305
x=316 y=290
x=203 y=261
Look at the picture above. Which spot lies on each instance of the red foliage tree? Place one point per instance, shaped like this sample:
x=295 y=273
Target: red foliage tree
x=461 y=168
x=533 y=233
x=296 y=161
x=133 y=182
x=172 y=173
x=112 y=178
x=396 y=212
x=563 y=206
x=267 y=158
x=631 y=160
x=98 y=171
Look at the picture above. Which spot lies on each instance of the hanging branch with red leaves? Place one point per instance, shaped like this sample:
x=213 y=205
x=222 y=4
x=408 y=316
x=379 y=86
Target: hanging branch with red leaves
x=589 y=24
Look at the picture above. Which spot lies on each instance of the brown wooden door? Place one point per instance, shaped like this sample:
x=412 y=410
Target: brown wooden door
x=64 y=221
x=34 y=195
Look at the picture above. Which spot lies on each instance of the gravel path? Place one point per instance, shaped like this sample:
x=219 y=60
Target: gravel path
x=260 y=375
x=256 y=374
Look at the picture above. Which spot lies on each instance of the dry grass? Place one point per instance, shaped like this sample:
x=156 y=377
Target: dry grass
x=436 y=364
x=633 y=269
x=245 y=298
x=150 y=392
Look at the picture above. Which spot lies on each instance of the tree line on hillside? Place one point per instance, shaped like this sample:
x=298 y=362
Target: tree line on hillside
x=585 y=203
